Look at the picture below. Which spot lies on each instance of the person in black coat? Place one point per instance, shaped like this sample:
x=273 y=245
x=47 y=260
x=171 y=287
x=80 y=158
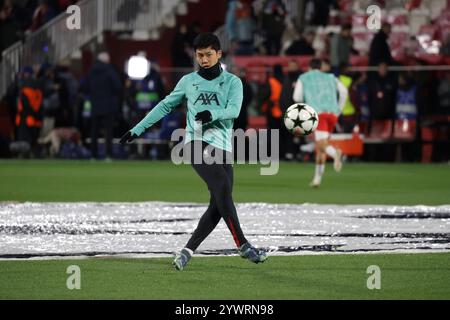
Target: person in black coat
x=303 y=46
x=181 y=52
x=382 y=94
x=287 y=145
x=104 y=88
x=379 y=48
x=241 y=122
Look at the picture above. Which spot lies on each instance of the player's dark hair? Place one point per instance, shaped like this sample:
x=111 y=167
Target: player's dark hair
x=315 y=64
x=205 y=40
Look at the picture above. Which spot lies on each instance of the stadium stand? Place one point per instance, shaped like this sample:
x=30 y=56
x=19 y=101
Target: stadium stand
x=420 y=39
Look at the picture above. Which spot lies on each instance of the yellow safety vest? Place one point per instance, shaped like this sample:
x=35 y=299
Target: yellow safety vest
x=349 y=108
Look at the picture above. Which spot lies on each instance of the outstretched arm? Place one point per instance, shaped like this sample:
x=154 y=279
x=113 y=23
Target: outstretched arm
x=162 y=109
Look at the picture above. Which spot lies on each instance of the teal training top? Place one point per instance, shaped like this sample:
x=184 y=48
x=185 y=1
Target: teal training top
x=320 y=91
x=221 y=96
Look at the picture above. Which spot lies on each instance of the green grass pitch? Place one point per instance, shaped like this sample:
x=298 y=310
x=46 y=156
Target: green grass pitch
x=67 y=181
x=403 y=276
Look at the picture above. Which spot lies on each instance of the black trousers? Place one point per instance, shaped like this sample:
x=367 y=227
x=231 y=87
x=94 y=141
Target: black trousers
x=107 y=122
x=219 y=179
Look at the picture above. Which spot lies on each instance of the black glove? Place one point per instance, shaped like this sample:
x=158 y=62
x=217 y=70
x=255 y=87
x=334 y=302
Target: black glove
x=204 y=116
x=127 y=137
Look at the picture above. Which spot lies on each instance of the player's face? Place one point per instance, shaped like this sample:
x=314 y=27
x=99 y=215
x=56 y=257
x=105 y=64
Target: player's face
x=207 y=57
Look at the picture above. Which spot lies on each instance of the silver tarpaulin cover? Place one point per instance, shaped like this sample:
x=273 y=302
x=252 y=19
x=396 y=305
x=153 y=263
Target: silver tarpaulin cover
x=33 y=230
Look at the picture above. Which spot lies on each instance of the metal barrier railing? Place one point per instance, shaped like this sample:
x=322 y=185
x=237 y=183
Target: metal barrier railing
x=54 y=41
x=9 y=66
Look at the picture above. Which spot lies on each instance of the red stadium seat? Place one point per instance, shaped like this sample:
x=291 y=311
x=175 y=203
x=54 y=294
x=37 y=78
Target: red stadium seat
x=397 y=42
x=380 y=130
x=413 y=4
x=362 y=41
x=398 y=19
x=405 y=129
x=398 y=38
x=444 y=19
x=427 y=145
x=359 y=19
x=257 y=122
x=428 y=29
x=346 y=5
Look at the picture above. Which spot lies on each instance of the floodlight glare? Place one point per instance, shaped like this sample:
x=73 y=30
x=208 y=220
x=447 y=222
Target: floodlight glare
x=137 y=67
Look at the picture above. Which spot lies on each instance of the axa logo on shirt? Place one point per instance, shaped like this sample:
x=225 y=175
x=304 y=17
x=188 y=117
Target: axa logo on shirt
x=206 y=98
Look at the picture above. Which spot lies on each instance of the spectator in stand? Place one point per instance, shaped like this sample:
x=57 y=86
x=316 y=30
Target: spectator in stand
x=382 y=94
x=325 y=66
x=9 y=28
x=341 y=47
x=194 y=29
x=303 y=46
x=29 y=109
x=245 y=27
x=350 y=115
x=104 y=89
x=406 y=110
x=241 y=26
x=70 y=85
x=321 y=11
x=290 y=34
x=325 y=51
x=51 y=104
x=271 y=101
x=23 y=13
x=149 y=92
x=45 y=12
x=444 y=94
x=406 y=106
x=287 y=145
x=362 y=101
x=273 y=24
x=57 y=94
x=241 y=122
x=427 y=88
x=181 y=52
x=379 y=51
x=230 y=20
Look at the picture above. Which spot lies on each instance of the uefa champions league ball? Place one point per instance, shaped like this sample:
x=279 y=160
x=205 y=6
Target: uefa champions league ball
x=301 y=119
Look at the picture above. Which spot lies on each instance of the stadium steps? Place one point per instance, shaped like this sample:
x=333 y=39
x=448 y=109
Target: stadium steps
x=144 y=19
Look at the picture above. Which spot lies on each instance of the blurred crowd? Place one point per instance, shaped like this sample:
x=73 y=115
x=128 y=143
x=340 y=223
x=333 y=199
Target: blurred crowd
x=50 y=112
x=265 y=27
x=21 y=17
